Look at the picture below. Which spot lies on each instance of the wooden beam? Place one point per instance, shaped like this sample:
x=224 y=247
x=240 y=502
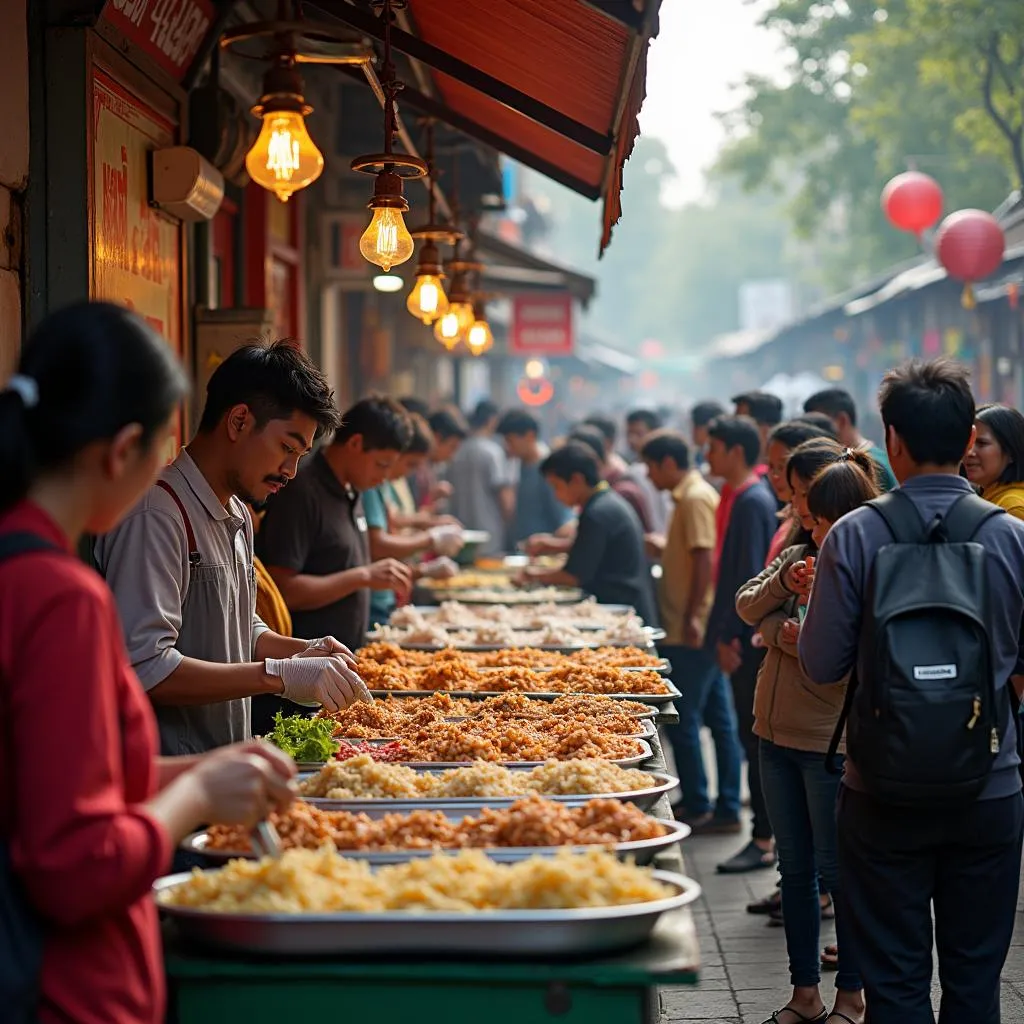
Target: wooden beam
x=443 y=62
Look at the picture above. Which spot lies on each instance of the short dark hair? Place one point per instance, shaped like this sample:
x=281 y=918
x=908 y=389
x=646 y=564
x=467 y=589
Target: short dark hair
x=738 y=432
x=666 y=444
x=608 y=427
x=764 y=408
x=422 y=439
x=413 y=404
x=592 y=438
x=822 y=421
x=446 y=424
x=704 y=412
x=484 y=412
x=274 y=381
x=840 y=487
x=1007 y=425
x=793 y=433
x=930 y=407
x=572 y=458
x=648 y=417
x=381 y=422
x=517 y=423
x=832 y=402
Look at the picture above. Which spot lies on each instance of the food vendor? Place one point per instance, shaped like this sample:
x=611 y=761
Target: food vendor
x=313 y=540
x=181 y=563
x=607 y=557
x=88 y=814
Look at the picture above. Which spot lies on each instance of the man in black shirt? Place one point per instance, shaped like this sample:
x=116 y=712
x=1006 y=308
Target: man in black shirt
x=313 y=540
x=607 y=557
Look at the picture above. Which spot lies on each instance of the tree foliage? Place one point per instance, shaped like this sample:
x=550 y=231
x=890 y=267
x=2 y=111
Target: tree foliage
x=874 y=88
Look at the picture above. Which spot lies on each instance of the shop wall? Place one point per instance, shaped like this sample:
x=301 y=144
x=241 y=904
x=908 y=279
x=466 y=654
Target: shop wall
x=13 y=174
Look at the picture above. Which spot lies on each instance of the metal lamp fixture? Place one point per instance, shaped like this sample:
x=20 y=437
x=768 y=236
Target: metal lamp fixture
x=479 y=337
x=386 y=242
x=453 y=327
x=284 y=157
x=427 y=301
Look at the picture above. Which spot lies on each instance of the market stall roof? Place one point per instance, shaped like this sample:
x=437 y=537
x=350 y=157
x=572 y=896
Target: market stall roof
x=554 y=84
x=509 y=268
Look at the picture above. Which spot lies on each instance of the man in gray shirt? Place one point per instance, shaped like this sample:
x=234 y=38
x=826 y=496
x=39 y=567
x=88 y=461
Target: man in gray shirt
x=181 y=564
x=898 y=863
x=483 y=495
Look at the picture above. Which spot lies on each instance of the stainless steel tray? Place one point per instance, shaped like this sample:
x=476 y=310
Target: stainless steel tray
x=656 y=699
x=647 y=727
x=652 y=636
x=642 y=851
x=507 y=933
x=464 y=805
x=663 y=667
x=466 y=596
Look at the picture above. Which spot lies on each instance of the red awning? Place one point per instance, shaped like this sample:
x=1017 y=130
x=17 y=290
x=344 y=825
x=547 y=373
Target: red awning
x=554 y=84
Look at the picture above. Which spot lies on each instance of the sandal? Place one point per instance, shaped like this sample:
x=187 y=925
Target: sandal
x=830 y=958
x=769 y=904
x=841 y=1016
x=822 y=1017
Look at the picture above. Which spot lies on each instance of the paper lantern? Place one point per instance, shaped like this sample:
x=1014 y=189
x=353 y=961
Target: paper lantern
x=970 y=245
x=912 y=202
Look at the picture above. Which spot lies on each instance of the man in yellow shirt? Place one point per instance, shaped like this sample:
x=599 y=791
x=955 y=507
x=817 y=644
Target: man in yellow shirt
x=685 y=596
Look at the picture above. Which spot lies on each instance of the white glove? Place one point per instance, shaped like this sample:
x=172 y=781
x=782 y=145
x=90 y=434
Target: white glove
x=446 y=540
x=327 y=645
x=312 y=681
x=439 y=569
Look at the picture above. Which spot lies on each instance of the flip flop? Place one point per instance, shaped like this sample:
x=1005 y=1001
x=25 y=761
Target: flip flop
x=822 y=1017
x=841 y=1016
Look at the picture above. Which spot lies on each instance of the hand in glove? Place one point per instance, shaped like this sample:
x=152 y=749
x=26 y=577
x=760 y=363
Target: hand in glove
x=311 y=681
x=330 y=647
x=446 y=540
x=439 y=569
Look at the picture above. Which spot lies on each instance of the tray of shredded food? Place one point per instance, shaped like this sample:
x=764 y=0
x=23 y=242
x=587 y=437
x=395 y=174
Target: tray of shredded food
x=313 y=902
x=362 y=784
x=531 y=825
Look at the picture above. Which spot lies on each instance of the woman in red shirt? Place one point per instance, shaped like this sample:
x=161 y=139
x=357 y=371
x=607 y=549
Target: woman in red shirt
x=89 y=816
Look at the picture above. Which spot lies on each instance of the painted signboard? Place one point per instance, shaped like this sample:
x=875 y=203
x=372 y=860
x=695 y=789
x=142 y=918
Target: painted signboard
x=542 y=325
x=169 y=31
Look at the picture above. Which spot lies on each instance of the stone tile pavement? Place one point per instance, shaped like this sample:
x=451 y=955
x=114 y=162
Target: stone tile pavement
x=745 y=974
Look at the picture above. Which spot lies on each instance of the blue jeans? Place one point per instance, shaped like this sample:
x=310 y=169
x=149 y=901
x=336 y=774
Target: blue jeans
x=801 y=798
x=707 y=700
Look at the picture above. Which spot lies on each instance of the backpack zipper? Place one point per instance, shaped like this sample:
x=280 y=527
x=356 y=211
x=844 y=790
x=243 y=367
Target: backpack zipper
x=976 y=712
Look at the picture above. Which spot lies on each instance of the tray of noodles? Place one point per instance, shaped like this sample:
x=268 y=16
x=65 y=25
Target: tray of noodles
x=314 y=903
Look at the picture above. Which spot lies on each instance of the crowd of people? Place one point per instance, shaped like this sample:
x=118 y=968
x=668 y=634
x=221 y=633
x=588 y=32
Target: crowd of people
x=806 y=579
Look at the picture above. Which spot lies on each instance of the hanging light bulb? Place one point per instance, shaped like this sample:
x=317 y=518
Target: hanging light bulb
x=453 y=327
x=386 y=241
x=284 y=158
x=427 y=301
x=479 y=337
x=448 y=331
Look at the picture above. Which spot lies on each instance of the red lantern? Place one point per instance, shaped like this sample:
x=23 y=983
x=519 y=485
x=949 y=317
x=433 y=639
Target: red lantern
x=912 y=202
x=970 y=244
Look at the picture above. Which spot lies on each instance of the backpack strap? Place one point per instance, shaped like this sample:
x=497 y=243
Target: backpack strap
x=901 y=516
x=14 y=544
x=194 y=557
x=965 y=516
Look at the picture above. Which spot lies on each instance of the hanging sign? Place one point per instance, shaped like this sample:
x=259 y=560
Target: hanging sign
x=136 y=251
x=535 y=392
x=542 y=325
x=169 y=31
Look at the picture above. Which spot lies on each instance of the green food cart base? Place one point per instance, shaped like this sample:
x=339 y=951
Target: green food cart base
x=623 y=989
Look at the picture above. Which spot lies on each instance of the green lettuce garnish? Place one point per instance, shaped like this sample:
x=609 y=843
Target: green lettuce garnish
x=304 y=739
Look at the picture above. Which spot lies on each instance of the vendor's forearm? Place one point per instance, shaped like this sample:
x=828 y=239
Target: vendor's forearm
x=567 y=532
x=412 y=520
x=555 y=578
x=196 y=682
x=273 y=645
x=390 y=545
x=169 y=768
x=305 y=593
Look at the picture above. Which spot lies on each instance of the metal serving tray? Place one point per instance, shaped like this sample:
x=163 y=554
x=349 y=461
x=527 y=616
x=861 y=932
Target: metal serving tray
x=422 y=766
x=656 y=699
x=644 y=799
x=647 y=727
x=653 y=635
x=663 y=667
x=546 y=933
x=642 y=851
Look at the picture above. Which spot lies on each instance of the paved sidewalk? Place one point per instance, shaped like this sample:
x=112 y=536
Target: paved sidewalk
x=745 y=970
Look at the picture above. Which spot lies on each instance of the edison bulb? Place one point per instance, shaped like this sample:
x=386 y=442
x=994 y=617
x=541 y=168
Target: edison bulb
x=284 y=158
x=479 y=338
x=386 y=241
x=447 y=331
x=427 y=301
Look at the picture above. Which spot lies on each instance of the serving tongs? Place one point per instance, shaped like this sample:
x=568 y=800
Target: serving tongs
x=265 y=840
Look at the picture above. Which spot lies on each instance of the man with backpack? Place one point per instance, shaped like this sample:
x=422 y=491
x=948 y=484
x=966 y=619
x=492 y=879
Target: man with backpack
x=919 y=595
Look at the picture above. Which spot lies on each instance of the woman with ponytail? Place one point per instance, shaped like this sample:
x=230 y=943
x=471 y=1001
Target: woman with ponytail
x=89 y=816
x=794 y=721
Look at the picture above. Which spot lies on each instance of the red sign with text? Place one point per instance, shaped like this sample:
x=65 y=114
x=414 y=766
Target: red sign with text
x=170 y=31
x=542 y=325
